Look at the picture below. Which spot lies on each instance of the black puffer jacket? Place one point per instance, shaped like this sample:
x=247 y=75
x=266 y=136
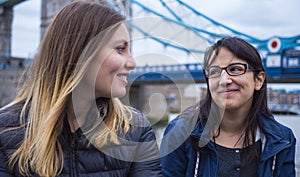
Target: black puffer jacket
x=137 y=156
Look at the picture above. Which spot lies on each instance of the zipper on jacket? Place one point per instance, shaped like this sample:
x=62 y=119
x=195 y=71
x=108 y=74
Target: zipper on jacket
x=73 y=157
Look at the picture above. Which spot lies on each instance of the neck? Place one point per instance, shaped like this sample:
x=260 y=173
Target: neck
x=233 y=123
x=232 y=130
x=234 y=120
x=76 y=115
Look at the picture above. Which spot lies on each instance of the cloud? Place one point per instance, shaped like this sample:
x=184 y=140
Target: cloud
x=259 y=18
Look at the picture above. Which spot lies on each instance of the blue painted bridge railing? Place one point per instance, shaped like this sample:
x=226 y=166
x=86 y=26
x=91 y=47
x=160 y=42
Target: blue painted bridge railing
x=193 y=72
x=168 y=73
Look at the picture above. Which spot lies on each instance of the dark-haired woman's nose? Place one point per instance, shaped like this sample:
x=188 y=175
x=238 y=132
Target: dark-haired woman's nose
x=225 y=79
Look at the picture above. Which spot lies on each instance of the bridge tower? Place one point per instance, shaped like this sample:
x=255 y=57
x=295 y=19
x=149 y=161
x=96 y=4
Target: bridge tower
x=51 y=7
x=6 y=19
x=11 y=68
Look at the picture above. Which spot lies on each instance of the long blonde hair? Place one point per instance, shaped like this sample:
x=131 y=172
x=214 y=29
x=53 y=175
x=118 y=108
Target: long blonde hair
x=51 y=81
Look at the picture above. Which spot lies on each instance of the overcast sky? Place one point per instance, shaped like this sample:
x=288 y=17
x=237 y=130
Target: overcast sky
x=258 y=18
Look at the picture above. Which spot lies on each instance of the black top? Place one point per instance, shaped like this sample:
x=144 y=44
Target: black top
x=237 y=162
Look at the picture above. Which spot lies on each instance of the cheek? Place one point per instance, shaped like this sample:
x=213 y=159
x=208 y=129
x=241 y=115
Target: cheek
x=109 y=69
x=248 y=82
x=213 y=85
x=112 y=64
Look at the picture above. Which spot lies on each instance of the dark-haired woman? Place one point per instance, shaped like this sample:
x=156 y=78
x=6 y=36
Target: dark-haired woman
x=231 y=132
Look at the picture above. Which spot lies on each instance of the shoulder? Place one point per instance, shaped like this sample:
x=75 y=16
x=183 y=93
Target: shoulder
x=286 y=132
x=271 y=127
x=185 y=121
x=10 y=132
x=179 y=129
x=9 y=116
x=138 y=118
x=140 y=127
x=175 y=143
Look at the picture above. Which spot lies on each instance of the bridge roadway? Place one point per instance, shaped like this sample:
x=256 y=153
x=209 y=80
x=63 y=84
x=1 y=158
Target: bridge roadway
x=10 y=2
x=194 y=73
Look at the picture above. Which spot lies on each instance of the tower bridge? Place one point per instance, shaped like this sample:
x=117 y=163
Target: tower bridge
x=173 y=27
x=281 y=55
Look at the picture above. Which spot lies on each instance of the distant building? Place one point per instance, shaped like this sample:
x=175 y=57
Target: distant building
x=10 y=67
x=11 y=71
x=6 y=19
x=49 y=10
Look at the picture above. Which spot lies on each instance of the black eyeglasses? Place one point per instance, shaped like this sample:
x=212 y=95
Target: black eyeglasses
x=233 y=69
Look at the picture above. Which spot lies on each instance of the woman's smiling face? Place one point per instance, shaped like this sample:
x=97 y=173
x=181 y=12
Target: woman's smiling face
x=115 y=63
x=232 y=92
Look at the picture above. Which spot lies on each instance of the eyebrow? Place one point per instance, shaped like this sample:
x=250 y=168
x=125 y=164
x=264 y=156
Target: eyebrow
x=228 y=64
x=121 y=41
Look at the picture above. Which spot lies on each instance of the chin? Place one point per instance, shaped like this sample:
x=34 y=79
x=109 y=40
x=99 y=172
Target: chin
x=114 y=94
x=119 y=94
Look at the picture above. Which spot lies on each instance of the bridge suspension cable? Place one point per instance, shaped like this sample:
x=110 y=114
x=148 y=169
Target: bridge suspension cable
x=182 y=16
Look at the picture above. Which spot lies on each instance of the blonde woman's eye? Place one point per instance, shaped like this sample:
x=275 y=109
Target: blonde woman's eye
x=121 y=49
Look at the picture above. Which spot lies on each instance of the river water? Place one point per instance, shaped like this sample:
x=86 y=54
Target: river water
x=291 y=121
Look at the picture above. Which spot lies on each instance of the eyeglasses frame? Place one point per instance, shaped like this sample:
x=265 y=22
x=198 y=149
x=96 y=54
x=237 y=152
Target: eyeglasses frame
x=246 y=66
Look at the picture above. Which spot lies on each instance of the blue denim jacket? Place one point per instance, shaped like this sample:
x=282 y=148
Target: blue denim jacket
x=179 y=159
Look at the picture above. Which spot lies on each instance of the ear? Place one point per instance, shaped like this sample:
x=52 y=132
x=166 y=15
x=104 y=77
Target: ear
x=259 y=80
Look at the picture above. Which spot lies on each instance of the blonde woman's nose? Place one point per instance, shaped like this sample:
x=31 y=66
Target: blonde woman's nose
x=130 y=63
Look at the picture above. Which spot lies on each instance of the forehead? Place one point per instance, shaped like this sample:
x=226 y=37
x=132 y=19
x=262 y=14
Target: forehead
x=224 y=58
x=121 y=34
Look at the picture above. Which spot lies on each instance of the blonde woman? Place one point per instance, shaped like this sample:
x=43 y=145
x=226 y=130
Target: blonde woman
x=67 y=119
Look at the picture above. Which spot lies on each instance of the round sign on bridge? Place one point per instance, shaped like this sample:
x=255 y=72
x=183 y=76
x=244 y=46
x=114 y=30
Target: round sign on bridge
x=274 y=45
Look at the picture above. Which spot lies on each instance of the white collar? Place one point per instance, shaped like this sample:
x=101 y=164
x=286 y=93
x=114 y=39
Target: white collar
x=260 y=136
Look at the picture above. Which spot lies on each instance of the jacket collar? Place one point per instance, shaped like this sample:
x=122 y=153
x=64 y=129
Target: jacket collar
x=271 y=134
x=274 y=134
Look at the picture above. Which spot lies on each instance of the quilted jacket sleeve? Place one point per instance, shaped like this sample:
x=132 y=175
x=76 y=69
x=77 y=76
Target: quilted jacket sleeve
x=146 y=160
x=4 y=119
x=3 y=168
